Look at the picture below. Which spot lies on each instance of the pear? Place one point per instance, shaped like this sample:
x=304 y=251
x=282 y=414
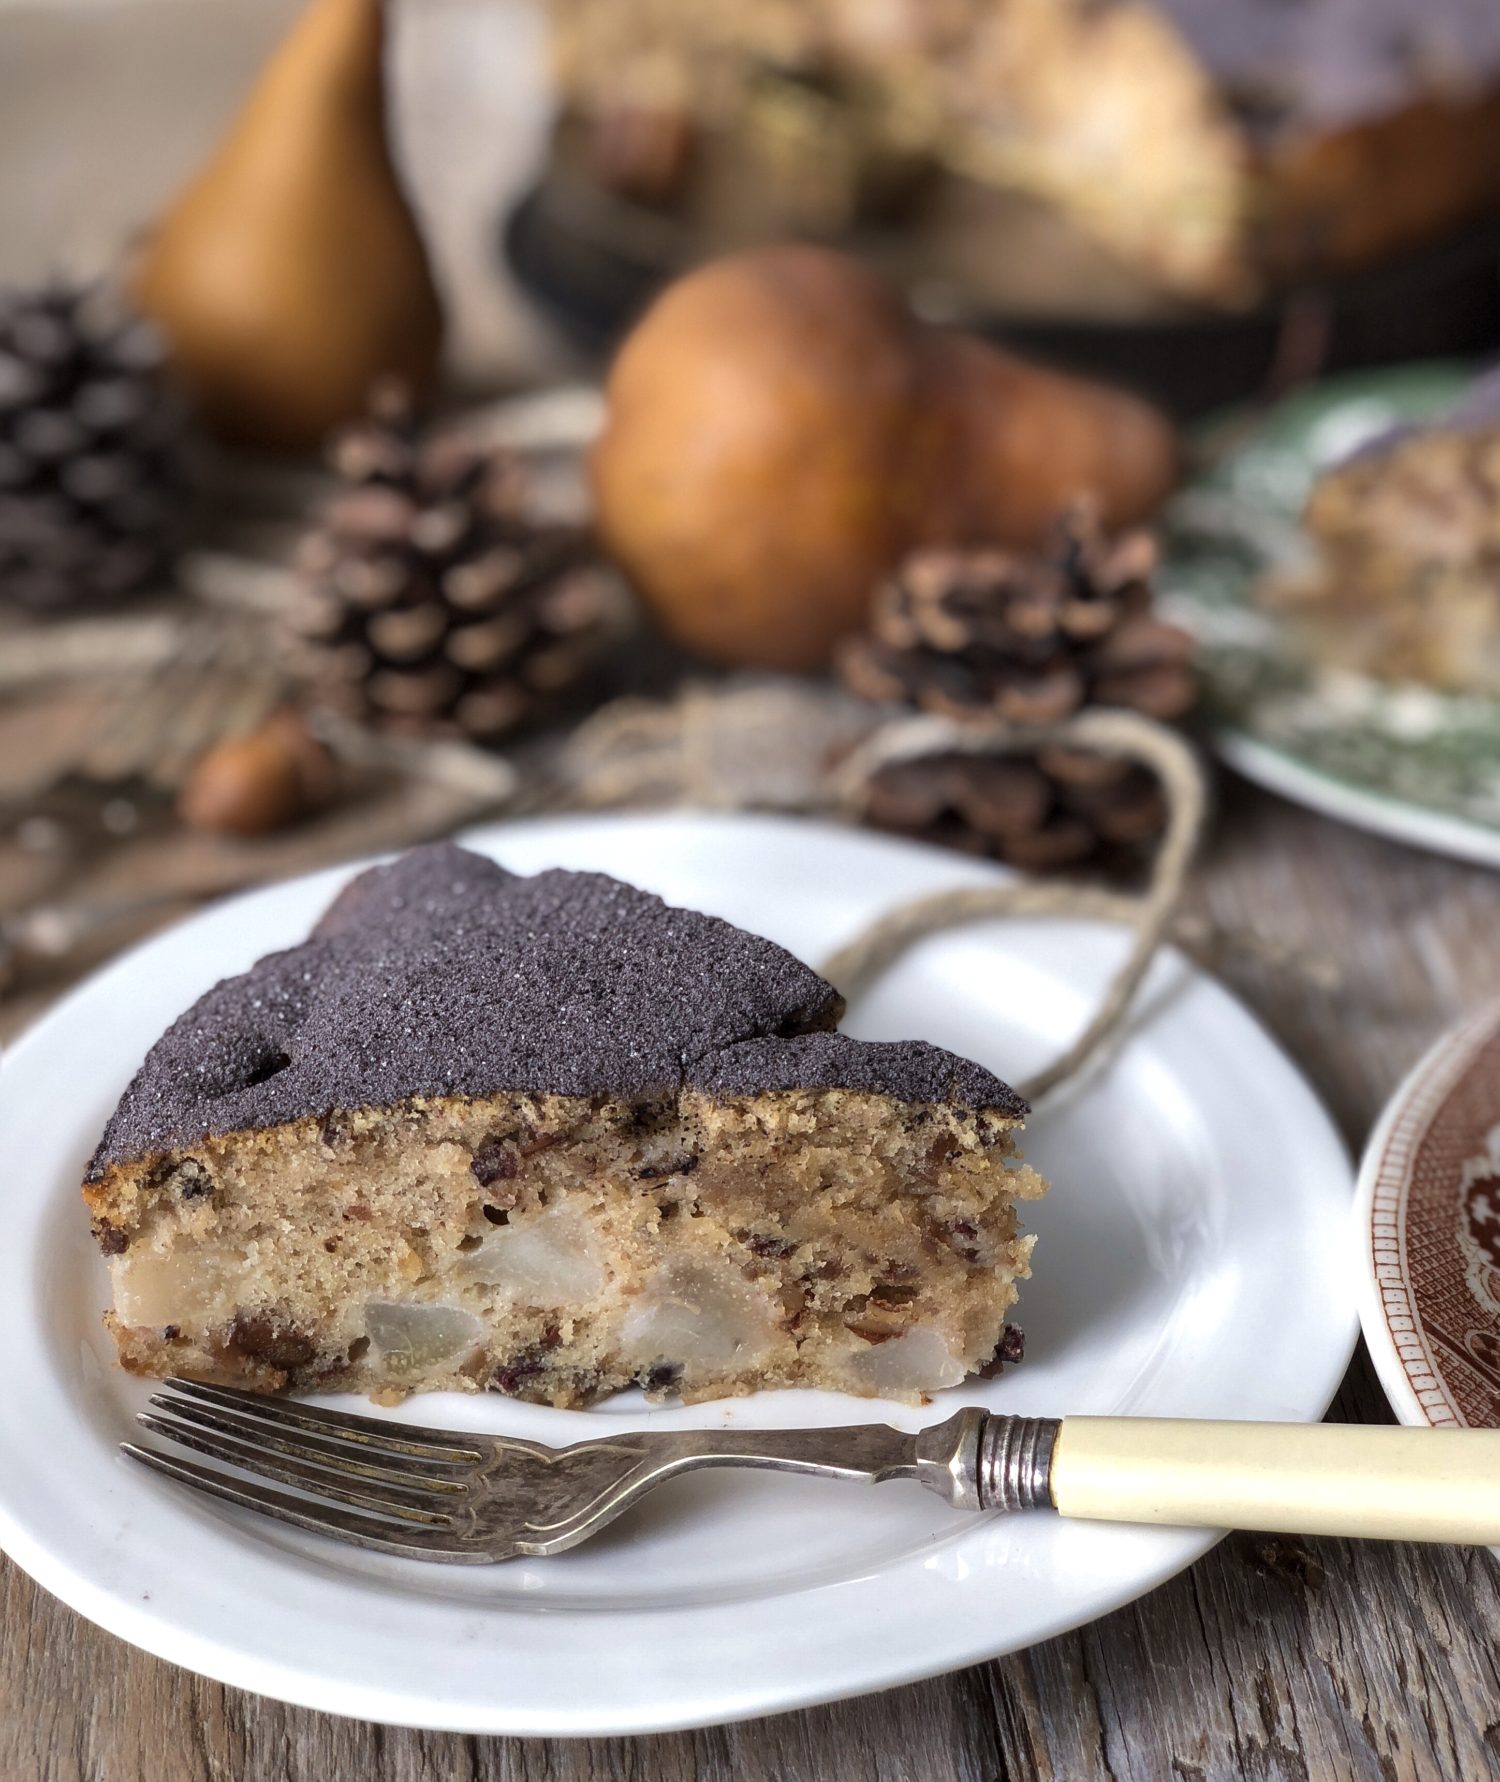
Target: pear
x=289 y=275
x=780 y=430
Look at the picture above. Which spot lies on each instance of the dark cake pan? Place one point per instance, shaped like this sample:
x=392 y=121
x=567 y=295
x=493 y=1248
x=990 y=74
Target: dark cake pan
x=593 y=273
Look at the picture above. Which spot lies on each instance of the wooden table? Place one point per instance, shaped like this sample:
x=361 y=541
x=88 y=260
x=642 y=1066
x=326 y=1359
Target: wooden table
x=1270 y=1658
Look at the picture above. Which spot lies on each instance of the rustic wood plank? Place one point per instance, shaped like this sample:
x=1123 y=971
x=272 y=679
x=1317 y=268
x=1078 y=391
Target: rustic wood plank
x=1269 y=1659
x=1321 y=1659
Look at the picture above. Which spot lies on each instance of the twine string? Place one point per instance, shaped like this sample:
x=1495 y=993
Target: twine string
x=696 y=750
x=1149 y=914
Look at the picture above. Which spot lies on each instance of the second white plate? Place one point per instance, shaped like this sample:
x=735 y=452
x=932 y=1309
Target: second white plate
x=1193 y=1259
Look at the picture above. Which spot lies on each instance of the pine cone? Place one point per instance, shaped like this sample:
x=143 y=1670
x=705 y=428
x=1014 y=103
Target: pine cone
x=1027 y=640
x=432 y=604
x=91 y=462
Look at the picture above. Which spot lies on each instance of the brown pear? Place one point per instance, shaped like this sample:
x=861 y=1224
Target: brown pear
x=1008 y=444
x=780 y=430
x=289 y=275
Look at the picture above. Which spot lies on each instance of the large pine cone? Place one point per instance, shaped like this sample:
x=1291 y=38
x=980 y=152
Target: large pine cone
x=91 y=462
x=433 y=604
x=988 y=635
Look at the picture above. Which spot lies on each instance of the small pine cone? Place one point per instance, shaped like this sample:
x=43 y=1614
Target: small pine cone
x=984 y=635
x=431 y=604
x=1020 y=809
x=91 y=452
x=1030 y=640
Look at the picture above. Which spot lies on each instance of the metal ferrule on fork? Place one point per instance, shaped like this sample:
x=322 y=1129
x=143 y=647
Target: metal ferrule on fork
x=979 y=1461
x=1015 y=1462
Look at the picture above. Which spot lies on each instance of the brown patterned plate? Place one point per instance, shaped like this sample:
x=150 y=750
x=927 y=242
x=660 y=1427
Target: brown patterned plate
x=1429 y=1225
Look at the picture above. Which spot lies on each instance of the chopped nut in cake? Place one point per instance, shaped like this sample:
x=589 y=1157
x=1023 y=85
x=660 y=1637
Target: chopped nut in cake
x=551 y=1137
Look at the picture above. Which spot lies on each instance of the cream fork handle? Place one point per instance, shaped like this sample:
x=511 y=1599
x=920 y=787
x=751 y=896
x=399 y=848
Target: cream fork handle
x=1296 y=1478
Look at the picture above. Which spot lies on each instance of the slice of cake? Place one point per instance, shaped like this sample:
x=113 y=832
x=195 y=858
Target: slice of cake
x=551 y=1137
x=1405 y=578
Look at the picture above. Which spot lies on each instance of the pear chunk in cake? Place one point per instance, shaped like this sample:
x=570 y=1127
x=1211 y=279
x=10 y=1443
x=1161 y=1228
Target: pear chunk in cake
x=551 y=1137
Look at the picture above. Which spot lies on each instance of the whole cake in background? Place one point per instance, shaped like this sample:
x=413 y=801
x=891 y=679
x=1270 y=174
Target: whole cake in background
x=1403 y=581
x=551 y=1137
x=1069 y=155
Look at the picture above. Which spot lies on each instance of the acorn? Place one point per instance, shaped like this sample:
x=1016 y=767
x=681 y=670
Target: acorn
x=253 y=784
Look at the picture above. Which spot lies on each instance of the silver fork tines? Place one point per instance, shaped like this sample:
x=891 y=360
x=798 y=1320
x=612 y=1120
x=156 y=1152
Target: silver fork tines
x=409 y=1482
x=474 y=1499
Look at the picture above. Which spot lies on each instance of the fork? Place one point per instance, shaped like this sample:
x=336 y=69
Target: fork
x=475 y=1499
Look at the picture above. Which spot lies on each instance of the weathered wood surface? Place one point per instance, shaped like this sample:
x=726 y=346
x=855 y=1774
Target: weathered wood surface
x=1267 y=1659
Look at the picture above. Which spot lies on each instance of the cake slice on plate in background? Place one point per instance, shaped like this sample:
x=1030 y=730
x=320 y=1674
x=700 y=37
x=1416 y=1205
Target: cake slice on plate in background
x=1404 y=581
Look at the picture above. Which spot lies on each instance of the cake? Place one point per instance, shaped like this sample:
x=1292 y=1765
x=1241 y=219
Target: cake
x=1059 y=156
x=1403 y=579
x=551 y=1137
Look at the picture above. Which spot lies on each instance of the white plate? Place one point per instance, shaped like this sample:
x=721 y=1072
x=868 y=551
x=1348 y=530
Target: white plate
x=1192 y=1261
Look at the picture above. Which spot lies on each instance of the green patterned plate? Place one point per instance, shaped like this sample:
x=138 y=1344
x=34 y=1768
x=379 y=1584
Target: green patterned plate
x=1402 y=760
